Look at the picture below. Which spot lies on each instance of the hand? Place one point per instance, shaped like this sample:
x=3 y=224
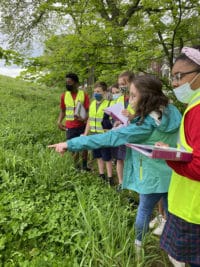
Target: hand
x=161 y=144
x=116 y=124
x=80 y=118
x=60 y=147
x=61 y=126
x=125 y=112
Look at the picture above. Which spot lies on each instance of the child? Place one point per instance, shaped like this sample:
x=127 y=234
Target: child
x=155 y=119
x=181 y=235
x=96 y=124
x=116 y=155
x=124 y=80
x=74 y=126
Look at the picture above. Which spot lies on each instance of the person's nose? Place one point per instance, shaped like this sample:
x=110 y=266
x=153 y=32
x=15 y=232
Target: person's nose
x=175 y=83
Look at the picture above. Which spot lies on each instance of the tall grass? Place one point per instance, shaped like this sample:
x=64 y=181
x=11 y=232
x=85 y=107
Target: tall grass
x=51 y=215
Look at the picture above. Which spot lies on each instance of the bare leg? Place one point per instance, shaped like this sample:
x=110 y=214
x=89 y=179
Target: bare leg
x=109 y=168
x=85 y=160
x=120 y=167
x=75 y=156
x=161 y=209
x=100 y=164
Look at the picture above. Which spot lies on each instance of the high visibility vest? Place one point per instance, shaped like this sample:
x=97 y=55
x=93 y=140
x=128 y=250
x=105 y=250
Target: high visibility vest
x=184 y=193
x=70 y=103
x=129 y=108
x=96 y=116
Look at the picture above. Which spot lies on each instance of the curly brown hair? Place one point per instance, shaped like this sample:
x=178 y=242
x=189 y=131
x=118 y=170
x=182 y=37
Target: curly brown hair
x=152 y=97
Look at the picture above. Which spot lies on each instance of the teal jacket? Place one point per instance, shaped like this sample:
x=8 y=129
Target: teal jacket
x=141 y=174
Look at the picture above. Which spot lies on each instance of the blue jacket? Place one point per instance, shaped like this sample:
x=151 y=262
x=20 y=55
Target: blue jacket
x=141 y=174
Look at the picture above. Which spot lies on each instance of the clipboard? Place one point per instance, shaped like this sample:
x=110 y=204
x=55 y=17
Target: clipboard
x=115 y=112
x=80 y=111
x=161 y=152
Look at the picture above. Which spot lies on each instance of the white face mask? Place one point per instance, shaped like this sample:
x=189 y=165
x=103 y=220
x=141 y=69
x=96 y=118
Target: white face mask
x=116 y=96
x=184 y=93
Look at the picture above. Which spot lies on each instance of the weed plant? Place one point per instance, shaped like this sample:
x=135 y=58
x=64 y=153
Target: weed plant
x=50 y=214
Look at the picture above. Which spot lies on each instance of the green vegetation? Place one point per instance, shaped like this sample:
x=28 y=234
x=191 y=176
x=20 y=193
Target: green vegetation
x=98 y=39
x=50 y=215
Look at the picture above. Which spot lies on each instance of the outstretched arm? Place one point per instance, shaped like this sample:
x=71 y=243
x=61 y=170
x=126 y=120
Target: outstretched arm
x=60 y=147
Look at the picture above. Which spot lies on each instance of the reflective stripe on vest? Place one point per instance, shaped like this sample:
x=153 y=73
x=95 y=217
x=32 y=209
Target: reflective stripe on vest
x=184 y=193
x=70 y=103
x=96 y=116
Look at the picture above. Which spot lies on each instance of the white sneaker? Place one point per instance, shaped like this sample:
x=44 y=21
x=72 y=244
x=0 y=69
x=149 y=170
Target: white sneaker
x=159 y=229
x=155 y=221
x=175 y=262
x=138 y=250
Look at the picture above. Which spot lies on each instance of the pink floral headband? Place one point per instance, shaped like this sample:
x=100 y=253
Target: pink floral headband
x=192 y=53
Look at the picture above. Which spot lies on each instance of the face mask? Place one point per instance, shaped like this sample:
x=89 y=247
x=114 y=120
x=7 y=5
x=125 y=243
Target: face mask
x=116 y=96
x=184 y=93
x=69 y=87
x=124 y=89
x=98 y=96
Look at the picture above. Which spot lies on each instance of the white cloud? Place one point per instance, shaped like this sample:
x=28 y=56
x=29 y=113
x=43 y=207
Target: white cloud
x=12 y=71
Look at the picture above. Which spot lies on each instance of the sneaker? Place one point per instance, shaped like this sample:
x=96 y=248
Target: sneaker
x=111 y=181
x=153 y=223
x=102 y=176
x=86 y=169
x=119 y=188
x=160 y=227
x=138 y=250
x=175 y=262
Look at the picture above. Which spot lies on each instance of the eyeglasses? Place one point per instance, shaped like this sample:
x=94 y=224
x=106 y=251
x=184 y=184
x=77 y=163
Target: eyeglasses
x=178 y=76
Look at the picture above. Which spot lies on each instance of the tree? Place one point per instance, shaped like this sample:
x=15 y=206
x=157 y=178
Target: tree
x=100 y=38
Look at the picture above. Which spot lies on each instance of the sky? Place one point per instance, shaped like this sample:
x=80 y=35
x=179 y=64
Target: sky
x=12 y=71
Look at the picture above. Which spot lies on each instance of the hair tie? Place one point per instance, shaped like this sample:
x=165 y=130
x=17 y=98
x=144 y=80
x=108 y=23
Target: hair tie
x=192 y=53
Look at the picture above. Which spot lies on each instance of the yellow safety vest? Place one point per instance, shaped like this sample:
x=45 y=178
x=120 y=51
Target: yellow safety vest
x=70 y=103
x=184 y=193
x=129 y=108
x=96 y=116
x=112 y=102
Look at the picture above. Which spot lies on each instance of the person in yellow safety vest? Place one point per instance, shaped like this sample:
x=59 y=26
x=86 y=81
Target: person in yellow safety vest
x=181 y=235
x=119 y=153
x=155 y=119
x=97 y=124
x=74 y=126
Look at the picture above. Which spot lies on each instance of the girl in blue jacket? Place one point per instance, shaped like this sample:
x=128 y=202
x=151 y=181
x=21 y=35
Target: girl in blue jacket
x=155 y=120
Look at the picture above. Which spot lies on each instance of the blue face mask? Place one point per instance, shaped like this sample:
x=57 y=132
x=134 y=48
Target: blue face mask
x=98 y=96
x=116 y=96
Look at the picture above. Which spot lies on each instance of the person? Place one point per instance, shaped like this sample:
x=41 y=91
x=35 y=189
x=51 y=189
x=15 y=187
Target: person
x=155 y=119
x=181 y=235
x=124 y=80
x=74 y=126
x=116 y=155
x=98 y=122
x=115 y=93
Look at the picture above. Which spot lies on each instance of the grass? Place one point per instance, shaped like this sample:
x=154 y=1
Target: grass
x=50 y=214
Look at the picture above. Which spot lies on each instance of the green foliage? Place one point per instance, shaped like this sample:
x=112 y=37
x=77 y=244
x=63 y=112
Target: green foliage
x=11 y=56
x=97 y=39
x=51 y=215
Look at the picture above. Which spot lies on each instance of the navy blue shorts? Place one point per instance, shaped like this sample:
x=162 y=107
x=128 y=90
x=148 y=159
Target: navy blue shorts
x=74 y=132
x=119 y=153
x=104 y=153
